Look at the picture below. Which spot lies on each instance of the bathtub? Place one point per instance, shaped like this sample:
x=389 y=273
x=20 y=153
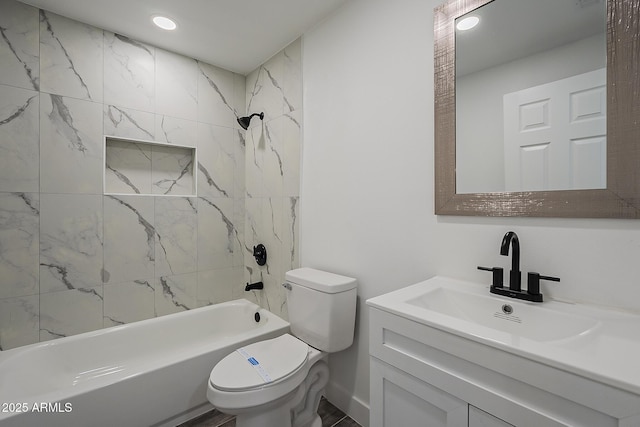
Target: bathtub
x=148 y=373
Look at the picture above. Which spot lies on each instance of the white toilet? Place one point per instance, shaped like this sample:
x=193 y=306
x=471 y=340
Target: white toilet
x=279 y=382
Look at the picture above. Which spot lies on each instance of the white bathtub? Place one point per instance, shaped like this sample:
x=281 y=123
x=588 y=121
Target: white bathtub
x=148 y=373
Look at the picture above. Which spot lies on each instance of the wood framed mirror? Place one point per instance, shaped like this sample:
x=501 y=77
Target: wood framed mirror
x=620 y=197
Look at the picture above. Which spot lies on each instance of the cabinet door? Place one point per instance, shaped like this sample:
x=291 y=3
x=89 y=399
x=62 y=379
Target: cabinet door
x=401 y=400
x=479 y=418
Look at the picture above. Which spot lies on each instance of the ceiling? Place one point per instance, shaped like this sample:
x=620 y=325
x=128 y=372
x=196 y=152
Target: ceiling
x=237 y=35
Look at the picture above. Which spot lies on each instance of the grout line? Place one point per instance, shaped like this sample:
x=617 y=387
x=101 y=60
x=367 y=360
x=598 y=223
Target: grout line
x=339 y=421
x=225 y=422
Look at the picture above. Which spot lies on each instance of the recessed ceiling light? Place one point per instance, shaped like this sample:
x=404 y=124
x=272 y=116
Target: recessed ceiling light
x=164 y=22
x=467 y=23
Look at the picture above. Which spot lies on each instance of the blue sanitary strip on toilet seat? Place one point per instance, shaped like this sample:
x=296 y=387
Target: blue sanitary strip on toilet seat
x=256 y=365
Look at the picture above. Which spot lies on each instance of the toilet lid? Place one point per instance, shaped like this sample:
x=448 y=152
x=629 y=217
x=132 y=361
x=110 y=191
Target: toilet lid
x=259 y=364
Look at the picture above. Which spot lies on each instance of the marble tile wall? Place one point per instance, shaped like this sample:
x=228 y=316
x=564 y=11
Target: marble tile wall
x=272 y=173
x=73 y=259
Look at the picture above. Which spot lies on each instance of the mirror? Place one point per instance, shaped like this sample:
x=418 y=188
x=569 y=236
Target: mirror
x=531 y=96
x=480 y=166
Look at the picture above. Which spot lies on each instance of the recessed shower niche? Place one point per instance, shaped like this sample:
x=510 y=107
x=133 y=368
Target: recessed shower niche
x=148 y=168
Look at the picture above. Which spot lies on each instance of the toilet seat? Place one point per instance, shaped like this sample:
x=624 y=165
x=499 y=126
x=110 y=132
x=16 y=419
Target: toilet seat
x=260 y=364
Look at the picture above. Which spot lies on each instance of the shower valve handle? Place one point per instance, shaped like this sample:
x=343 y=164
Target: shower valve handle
x=260 y=254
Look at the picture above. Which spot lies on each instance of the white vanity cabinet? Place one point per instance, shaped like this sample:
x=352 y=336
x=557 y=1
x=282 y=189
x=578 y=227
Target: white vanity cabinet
x=399 y=399
x=425 y=376
x=403 y=400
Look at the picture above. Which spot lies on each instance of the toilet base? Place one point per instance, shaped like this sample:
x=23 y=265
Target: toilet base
x=298 y=408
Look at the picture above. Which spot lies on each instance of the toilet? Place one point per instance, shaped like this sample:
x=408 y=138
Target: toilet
x=279 y=382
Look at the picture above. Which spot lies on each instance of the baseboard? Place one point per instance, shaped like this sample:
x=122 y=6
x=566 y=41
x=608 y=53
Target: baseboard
x=347 y=403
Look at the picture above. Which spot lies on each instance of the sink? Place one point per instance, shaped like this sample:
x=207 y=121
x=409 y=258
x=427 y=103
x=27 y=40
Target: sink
x=513 y=317
x=596 y=342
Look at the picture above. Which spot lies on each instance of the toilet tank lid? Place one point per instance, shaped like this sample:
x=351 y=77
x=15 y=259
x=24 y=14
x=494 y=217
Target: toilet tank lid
x=322 y=281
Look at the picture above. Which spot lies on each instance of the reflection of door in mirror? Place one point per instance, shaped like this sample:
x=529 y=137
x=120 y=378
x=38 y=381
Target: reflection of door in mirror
x=521 y=45
x=555 y=135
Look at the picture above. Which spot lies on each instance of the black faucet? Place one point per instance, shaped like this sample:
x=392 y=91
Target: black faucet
x=515 y=289
x=514 y=275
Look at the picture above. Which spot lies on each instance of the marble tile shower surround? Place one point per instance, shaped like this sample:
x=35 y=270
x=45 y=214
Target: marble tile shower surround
x=71 y=258
x=272 y=173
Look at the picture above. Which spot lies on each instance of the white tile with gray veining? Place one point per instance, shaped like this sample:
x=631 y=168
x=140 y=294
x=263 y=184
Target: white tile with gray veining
x=176 y=85
x=217 y=100
x=216 y=161
x=129 y=73
x=128 y=123
x=221 y=248
x=238 y=219
x=291 y=150
x=19 y=244
x=19 y=139
x=255 y=141
x=176 y=293
x=173 y=130
x=290 y=233
x=273 y=158
x=70 y=312
x=129 y=302
x=240 y=96
x=176 y=223
x=238 y=288
x=239 y=146
x=70 y=145
x=71 y=58
x=129 y=238
x=172 y=170
x=127 y=167
x=265 y=90
x=19 y=321
x=253 y=226
x=274 y=231
x=19 y=45
x=71 y=236
x=216 y=286
x=292 y=77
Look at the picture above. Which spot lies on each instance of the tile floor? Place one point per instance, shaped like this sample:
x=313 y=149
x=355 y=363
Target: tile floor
x=330 y=415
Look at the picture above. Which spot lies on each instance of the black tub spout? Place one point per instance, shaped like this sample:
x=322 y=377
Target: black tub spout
x=254 y=286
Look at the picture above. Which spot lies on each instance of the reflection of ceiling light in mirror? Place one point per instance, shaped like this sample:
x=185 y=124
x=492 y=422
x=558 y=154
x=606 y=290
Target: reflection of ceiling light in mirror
x=467 y=23
x=164 y=22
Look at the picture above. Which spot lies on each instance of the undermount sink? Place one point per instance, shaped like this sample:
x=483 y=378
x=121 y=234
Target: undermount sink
x=513 y=317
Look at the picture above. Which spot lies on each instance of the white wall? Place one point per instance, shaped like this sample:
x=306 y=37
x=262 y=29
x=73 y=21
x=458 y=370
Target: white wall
x=367 y=185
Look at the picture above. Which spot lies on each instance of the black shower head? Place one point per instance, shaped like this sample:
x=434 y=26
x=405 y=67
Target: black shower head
x=244 y=121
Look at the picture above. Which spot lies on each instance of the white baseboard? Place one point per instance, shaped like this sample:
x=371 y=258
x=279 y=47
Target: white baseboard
x=349 y=404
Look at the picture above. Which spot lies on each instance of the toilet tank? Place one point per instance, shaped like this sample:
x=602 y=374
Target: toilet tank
x=322 y=308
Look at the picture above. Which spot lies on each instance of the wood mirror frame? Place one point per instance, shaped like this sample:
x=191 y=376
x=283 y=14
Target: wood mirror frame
x=621 y=198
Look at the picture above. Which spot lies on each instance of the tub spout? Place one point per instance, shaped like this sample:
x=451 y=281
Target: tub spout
x=254 y=286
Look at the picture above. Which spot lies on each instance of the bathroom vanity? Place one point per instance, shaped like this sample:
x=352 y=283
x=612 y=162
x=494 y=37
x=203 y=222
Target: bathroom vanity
x=448 y=353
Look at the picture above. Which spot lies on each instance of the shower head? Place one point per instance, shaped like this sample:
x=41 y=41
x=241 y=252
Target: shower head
x=244 y=121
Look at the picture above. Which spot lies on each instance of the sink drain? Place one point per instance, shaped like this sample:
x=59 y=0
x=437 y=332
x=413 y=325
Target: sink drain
x=507 y=309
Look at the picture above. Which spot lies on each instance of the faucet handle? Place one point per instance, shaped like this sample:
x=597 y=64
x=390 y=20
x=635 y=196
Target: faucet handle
x=498 y=275
x=533 y=282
